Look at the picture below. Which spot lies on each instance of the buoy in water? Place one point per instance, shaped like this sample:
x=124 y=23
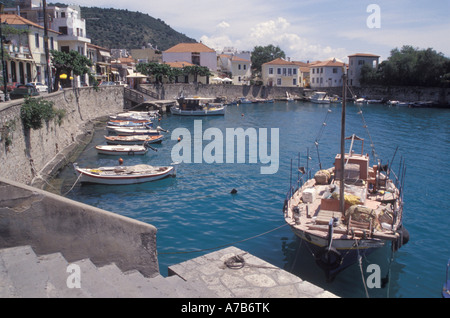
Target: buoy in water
x=179 y=139
x=234 y=191
x=120 y=161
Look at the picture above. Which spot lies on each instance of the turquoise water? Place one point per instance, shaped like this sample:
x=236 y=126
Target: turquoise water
x=195 y=212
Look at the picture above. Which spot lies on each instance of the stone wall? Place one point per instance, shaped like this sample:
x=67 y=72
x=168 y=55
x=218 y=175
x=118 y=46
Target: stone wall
x=53 y=224
x=172 y=91
x=32 y=154
x=407 y=94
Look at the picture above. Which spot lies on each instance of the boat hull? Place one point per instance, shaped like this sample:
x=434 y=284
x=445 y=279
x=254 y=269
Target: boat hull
x=87 y=176
x=344 y=252
x=200 y=112
x=121 y=150
x=129 y=140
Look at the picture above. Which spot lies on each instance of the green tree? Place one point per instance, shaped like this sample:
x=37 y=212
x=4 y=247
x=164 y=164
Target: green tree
x=196 y=70
x=157 y=70
x=410 y=66
x=70 y=63
x=264 y=54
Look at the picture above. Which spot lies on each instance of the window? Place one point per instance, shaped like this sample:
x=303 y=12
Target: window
x=284 y=71
x=294 y=71
x=279 y=71
x=334 y=70
x=63 y=30
x=239 y=66
x=36 y=39
x=313 y=70
x=361 y=62
x=294 y=82
x=195 y=58
x=290 y=71
x=65 y=49
x=63 y=14
x=321 y=70
x=279 y=81
x=270 y=70
x=245 y=67
x=52 y=44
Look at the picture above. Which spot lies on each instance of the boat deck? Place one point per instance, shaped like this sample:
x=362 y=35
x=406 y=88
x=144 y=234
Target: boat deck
x=311 y=208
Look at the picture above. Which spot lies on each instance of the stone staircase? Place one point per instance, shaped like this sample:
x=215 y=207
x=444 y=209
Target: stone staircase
x=23 y=274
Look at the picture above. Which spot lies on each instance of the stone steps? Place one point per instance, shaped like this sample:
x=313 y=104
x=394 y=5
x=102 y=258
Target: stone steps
x=23 y=274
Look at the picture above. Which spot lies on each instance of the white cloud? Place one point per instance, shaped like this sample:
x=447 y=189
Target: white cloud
x=278 y=32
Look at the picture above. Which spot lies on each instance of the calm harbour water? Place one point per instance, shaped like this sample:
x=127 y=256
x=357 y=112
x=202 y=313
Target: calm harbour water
x=195 y=212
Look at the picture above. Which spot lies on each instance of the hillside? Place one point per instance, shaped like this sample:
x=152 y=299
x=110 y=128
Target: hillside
x=114 y=28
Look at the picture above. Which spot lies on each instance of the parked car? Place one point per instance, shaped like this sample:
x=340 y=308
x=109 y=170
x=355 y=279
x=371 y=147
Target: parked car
x=24 y=91
x=10 y=86
x=41 y=88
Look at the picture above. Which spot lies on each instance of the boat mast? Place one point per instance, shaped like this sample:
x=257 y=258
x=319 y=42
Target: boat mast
x=341 y=177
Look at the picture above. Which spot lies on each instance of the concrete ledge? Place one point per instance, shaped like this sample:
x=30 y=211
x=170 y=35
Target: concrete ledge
x=233 y=273
x=50 y=223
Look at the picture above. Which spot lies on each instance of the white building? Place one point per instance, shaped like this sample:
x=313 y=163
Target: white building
x=356 y=62
x=280 y=72
x=25 y=54
x=67 y=21
x=326 y=74
x=194 y=53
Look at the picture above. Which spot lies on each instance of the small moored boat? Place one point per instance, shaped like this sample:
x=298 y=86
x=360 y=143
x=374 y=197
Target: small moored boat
x=130 y=150
x=123 y=174
x=197 y=107
x=133 y=140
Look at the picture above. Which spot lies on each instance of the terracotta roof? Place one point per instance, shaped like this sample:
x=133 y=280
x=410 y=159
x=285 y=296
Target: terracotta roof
x=14 y=19
x=328 y=63
x=189 y=47
x=364 y=54
x=279 y=61
x=179 y=64
x=235 y=58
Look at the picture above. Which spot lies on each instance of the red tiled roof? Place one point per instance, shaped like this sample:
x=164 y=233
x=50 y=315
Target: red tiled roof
x=328 y=63
x=14 y=19
x=235 y=58
x=189 y=47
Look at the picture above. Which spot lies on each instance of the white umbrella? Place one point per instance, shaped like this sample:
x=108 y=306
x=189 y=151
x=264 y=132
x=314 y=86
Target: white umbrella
x=226 y=79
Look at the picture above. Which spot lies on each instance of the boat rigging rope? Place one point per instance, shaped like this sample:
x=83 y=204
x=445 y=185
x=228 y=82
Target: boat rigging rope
x=225 y=245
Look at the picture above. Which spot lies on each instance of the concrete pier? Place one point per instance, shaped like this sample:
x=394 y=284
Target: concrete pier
x=234 y=273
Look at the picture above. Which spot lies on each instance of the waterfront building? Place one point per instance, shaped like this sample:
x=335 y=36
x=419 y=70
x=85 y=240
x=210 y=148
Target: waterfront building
x=24 y=49
x=280 y=72
x=66 y=20
x=194 y=53
x=101 y=60
x=326 y=73
x=356 y=62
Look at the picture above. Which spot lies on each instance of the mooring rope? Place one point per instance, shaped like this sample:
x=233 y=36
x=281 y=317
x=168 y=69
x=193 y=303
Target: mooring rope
x=225 y=245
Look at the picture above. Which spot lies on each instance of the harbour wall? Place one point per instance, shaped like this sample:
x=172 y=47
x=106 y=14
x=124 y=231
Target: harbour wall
x=438 y=95
x=50 y=224
x=30 y=156
x=409 y=94
x=231 y=92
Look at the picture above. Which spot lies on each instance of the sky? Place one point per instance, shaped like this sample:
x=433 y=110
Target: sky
x=306 y=30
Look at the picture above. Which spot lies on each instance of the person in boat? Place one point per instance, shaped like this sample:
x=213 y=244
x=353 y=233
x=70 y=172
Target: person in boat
x=120 y=167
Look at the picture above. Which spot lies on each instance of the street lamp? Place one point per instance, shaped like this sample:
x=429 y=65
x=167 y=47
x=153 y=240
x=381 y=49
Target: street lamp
x=2 y=7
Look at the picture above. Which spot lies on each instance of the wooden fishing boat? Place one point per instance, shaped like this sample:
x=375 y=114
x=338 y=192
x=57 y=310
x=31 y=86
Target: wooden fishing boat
x=135 y=115
x=122 y=175
x=347 y=211
x=130 y=131
x=133 y=140
x=130 y=123
x=197 y=106
x=123 y=150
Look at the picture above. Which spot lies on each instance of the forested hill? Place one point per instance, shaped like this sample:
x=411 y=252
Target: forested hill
x=123 y=29
x=113 y=28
